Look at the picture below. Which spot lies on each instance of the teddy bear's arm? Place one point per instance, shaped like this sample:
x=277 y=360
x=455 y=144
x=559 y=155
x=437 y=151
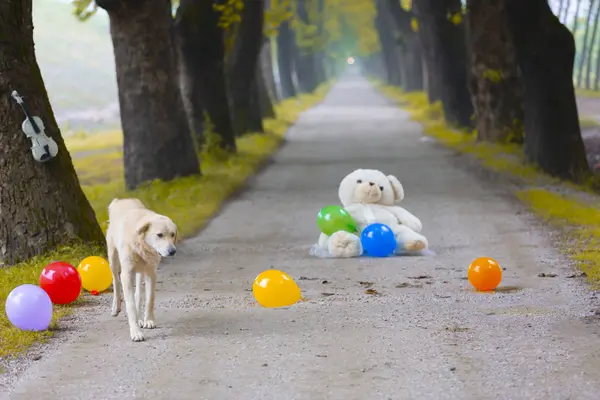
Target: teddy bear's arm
x=406 y=218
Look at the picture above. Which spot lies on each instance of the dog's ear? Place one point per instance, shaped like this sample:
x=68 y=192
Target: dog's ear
x=398 y=189
x=143 y=226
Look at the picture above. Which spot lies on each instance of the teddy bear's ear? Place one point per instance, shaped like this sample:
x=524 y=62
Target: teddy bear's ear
x=398 y=189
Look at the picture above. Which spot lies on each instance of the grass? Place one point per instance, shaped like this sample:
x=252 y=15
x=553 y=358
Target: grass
x=188 y=201
x=587 y=93
x=575 y=210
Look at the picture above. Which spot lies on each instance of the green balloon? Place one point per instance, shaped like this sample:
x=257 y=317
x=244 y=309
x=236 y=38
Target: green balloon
x=334 y=218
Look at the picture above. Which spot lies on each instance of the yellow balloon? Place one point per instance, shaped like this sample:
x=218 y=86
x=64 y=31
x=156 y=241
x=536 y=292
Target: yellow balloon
x=96 y=275
x=273 y=288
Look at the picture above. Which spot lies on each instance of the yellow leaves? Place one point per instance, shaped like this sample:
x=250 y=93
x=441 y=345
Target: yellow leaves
x=455 y=18
x=84 y=9
x=231 y=12
x=406 y=4
x=414 y=24
x=494 y=76
x=278 y=12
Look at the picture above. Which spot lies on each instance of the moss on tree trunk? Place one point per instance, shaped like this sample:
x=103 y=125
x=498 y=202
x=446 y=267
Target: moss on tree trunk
x=42 y=206
x=495 y=82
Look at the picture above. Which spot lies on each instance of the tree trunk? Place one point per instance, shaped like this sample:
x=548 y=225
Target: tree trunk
x=385 y=31
x=285 y=43
x=590 y=57
x=264 y=100
x=266 y=68
x=156 y=137
x=496 y=88
x=584 y=47
x=575 y=18
x=42 y=205
x=545 y=53
x=410 y=48
x=566 y=13
x=244 y=61
x=202 y=53
x=447 y=58
x=306 y=68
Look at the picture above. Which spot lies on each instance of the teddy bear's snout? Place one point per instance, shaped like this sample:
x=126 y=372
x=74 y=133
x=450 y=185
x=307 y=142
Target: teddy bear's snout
x=367 y=192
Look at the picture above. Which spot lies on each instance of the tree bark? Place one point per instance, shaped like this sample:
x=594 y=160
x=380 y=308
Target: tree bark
x=545 y=53
x=389 y=51
x=266 y=67
x=583 y=53
x=42 y=205
x=446 y=56
x=285 y=42
x=410 y=49
x=266 y=105
x=590 y=57
x=496 y=87
x=156 y=137
x=202 y=54
x=306 y=68
x=575 y=18
x=244 y=61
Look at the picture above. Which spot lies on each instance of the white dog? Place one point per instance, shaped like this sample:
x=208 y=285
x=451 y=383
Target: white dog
x=136 y=239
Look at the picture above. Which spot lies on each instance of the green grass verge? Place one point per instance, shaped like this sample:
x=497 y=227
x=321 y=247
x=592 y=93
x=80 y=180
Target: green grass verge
x=188 y=201
x=575 y=210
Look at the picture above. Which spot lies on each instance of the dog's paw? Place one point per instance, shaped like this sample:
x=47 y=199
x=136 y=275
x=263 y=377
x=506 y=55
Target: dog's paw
x=140 y=323
x=415 y=245
x=149 y=324
x=116 y=308
x=136 y=335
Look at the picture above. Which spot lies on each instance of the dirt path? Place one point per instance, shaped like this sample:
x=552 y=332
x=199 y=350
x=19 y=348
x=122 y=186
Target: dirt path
x=426 y=336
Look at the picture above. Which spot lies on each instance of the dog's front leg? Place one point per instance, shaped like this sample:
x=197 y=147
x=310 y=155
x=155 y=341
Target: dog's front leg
x=138 y=298
x=127 y=278
x=150 y=281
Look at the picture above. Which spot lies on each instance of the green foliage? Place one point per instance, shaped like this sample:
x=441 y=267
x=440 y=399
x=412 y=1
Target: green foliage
x=84 y=9
x=492 y=75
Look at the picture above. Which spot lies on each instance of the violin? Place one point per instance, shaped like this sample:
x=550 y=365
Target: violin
x=43 y=148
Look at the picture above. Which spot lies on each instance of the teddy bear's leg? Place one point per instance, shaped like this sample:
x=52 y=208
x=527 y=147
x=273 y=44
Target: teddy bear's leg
x=344 y=245
x=409 y=240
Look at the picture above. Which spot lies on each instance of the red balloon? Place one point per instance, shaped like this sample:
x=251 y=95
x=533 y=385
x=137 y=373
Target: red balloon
x=61 y=281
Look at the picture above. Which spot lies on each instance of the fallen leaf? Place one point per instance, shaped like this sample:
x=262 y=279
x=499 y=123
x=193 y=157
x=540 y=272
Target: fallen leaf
x=366 y=284
x=327 y=294
x=547 y=275
x=408 y=285
x=578 y=275
x=371 y=291
x=420 y=277
x=325 y=282
x=304 y=278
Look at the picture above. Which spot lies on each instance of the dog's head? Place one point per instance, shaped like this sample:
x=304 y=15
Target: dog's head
x=370 y=186
x=160 y=233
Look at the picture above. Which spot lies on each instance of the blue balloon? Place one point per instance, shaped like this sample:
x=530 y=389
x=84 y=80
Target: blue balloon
x=378 y=240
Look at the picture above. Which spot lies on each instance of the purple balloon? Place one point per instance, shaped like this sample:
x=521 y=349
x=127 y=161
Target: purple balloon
x=28 y=307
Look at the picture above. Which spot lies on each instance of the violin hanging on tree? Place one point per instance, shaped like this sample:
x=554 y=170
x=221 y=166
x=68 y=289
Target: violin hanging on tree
x=43 y=148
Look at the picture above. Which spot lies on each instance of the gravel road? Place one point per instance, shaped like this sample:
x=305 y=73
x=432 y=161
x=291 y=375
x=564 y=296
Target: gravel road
x=424 y=334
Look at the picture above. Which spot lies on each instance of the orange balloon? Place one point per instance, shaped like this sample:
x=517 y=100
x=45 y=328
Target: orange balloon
x=485 y=274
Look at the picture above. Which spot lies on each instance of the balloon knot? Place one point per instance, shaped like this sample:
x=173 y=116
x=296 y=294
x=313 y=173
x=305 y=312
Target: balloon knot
x=94 y=293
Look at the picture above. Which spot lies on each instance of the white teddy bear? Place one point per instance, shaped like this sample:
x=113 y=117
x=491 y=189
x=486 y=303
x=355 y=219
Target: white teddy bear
x=369 y=197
